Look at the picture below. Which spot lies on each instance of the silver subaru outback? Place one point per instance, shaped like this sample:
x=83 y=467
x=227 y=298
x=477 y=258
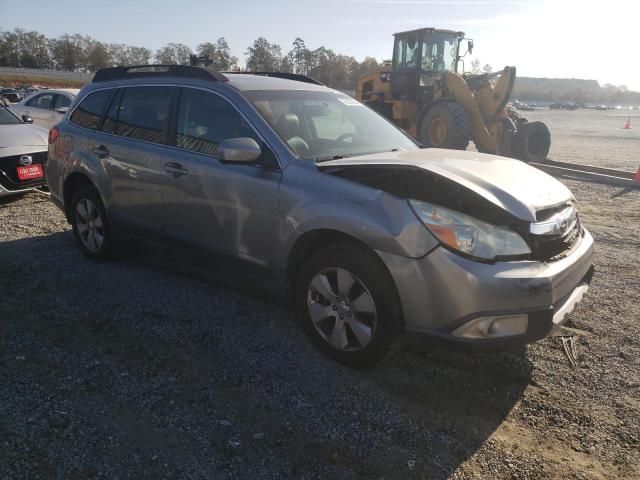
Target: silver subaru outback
x=374 y=240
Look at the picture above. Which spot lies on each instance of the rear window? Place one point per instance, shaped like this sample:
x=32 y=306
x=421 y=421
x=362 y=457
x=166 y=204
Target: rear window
x=89 y=112
x=142 y=113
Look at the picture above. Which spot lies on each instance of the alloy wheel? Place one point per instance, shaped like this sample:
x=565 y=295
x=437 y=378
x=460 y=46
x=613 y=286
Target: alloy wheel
x=342 y=309
x=90 y=225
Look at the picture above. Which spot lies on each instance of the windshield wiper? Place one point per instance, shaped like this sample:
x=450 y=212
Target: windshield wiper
x=328 y=159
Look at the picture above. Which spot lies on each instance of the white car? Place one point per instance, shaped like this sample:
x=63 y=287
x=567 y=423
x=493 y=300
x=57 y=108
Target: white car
x=23 y=153
x=46 y=107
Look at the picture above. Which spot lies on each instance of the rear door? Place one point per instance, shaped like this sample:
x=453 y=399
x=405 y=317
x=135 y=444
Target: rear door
x=228 y=208
x=134 y=154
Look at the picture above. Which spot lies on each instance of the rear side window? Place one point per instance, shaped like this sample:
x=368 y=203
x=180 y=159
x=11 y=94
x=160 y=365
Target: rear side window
x=142 y=113
x=89 y=112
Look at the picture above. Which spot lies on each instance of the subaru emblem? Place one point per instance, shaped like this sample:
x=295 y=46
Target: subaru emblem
x=25 y=160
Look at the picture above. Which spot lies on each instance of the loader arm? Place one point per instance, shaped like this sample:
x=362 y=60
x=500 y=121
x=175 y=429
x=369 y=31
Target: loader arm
x=457 y=87
x=484 y=99
x=493 y=95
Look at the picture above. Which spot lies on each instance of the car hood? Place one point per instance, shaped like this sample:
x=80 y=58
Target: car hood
x=22 y=135
x=510 y=184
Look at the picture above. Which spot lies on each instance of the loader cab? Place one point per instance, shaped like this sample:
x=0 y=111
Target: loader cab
x=418 y=56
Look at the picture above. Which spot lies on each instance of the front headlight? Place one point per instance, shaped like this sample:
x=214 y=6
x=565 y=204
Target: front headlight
x=467 y=234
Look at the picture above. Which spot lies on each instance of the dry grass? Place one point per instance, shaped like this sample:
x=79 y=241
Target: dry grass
x=17 y=80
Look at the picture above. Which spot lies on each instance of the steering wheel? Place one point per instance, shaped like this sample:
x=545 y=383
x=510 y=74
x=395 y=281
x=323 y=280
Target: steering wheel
x=344 y=136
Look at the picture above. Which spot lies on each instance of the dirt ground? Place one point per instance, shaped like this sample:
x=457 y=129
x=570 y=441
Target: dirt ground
x=593 y=137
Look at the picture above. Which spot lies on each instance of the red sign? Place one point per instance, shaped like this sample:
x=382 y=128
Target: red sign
x=29 y=172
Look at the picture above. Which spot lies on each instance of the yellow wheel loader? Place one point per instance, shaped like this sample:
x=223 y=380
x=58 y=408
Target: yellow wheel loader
x=423 y=93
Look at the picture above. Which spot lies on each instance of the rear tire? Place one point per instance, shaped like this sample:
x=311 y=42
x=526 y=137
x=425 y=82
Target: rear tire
x=532 y=142
x=359 y=325
x=91 y=227
x=445 y=125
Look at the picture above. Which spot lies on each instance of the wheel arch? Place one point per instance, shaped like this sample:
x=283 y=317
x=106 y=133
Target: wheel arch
x=71 y=185
x=315 y=240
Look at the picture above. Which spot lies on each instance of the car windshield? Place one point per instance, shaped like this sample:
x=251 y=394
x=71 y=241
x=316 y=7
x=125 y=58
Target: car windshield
x=327 y=125
x=8 y=118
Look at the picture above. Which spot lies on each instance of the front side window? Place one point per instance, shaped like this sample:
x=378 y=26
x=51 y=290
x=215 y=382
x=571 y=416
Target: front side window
x=32 y=101
x=412 y=53
x=142 y=113
x=89 y=112
x=398 y=54
x=42 y=101
x=327 y=124
x=439 y=53
x=205 y=120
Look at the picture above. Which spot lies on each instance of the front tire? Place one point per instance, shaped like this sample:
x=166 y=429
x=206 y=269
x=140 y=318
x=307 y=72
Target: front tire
x=349 y=305
x=445 y=125
x=90 y=224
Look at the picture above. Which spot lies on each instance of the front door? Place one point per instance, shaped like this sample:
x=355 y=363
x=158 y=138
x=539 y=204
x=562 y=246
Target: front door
x=40 y=108
x=228 y=208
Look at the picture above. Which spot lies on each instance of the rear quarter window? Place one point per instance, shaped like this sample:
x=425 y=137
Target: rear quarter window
x=90 y=110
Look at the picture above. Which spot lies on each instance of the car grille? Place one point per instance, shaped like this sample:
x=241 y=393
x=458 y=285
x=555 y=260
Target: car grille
x=563 y=231
x=9 y=175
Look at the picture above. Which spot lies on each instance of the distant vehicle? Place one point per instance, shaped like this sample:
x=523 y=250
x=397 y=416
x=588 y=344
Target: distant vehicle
x=371 y=236
x=23 y=152
x=46 y=108
x=523 y=106
x=596 y=107
x=11 y=95
x=563 y=106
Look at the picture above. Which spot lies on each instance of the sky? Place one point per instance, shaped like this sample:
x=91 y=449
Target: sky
x=542 y=38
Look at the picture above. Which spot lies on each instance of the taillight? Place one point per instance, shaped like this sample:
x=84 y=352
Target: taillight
x=53 y=135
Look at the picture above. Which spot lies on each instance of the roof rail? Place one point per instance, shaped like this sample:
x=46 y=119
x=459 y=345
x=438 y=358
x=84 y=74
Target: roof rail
x=287 y=76
x=138 y=71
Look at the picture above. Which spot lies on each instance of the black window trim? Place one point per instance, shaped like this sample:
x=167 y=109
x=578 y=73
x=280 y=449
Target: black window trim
x=102 y=115
x=173 y=119
x=121 y=92
x=173 y=144
x=115 y=97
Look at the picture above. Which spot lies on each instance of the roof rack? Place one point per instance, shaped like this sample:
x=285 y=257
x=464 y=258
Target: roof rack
x=138 y=71
x=287 y=76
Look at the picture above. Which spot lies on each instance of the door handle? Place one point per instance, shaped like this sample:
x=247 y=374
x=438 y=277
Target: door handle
x=101 y=151
x=175 y=169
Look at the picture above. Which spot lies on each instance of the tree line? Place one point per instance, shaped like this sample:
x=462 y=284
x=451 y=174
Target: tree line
x=573 y=90
x=31 y=49
x=82 y=53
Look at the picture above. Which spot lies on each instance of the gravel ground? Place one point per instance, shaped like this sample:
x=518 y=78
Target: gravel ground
x=136 y=369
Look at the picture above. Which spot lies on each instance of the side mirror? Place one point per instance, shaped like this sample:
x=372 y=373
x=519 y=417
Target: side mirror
x=27 y=119
x=239 y=150
x=62 y=110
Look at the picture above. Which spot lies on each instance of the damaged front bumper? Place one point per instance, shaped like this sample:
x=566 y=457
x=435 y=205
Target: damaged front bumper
x=456 y=303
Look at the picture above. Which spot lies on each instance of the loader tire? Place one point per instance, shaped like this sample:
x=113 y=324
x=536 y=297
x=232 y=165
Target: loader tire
x=445 y=125
x=532 y=142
